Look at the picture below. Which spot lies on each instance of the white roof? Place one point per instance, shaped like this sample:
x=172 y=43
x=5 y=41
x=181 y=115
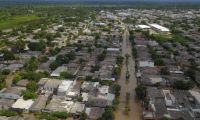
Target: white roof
x=196 y=95
x=65 y=85
x=112 y=49
x=85 y=96
x=22 y=104
x=57 y=71
x=104 y=89
x=142 y=26
x=159 y=27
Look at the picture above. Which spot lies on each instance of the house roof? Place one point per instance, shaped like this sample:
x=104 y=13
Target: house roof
x=94 y=112
x=22 y=104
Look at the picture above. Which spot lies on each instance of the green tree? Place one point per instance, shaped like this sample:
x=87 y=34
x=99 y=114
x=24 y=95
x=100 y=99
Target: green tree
x=32 y=86
x=8 y=55
x=83 y=116
x=108 y=114
x=140 y=92
x=29 y=95
x=6 y=72
x=66 y=75
x=16 y=78
x=183 y=85
x=19 y=46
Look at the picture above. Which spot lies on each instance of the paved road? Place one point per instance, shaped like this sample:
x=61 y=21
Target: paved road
x=135 y=113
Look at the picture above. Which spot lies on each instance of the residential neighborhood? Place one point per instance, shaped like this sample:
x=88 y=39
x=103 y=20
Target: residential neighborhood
x=96 y=64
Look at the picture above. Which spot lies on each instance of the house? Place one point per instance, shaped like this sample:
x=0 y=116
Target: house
x=58 y=105
x=151 y=80
x=146 y=63
x=39 y=104
x=6 y=103
x=22 y=105
x=64 y=87
x=22 y=83
x=14 y=67
x=77 y=108
x=49 y=85
x=57 y=71
x=11 y=93
x=89 y=86
x=94 y=112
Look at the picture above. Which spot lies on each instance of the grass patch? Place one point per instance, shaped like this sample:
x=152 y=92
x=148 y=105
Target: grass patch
x=171 y=38
x=17 y=20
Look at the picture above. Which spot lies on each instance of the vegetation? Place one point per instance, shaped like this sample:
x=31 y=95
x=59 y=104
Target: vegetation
x=29 y=95
x=61 y=115
x=17 y=20
x=66 y=75
x=8 y=113
x=182 y=85
x=32 y=86
x=140 y=92
x=116 y=88
x=108 y=114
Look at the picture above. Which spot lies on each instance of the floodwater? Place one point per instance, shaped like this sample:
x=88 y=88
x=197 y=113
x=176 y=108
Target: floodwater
x=128 y=86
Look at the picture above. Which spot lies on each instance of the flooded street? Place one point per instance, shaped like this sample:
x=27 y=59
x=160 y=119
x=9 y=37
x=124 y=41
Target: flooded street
x=128 y=86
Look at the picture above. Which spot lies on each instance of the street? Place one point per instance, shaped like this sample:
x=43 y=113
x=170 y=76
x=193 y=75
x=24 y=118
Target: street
x=128 y=86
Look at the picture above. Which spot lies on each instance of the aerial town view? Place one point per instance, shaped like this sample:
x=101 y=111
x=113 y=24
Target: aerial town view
x=99 y=61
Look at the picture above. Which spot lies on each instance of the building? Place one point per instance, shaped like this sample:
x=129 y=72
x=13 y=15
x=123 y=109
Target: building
x=49 y=85
x=22 y=105
x=64 y=87
x=11 y=93
x=57 y=71
x=77 y=108
x=94 y=112
x=58 y=105
x=159 y=28
x=39 y=104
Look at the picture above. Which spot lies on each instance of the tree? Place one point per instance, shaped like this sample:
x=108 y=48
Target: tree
x=159 y=62
x=29 y=95
x=66 y=75
x=37 y=46
x=16 y=78
x=19 y=46
x=108 y=114
x=116 y=88
x=83 y=116
x=141 y=92
x=43 y=59
x=119 y=60
x=32 y=64
x=6 y=72
x=164 y=71
x=183 y=85
x=8 y=55
x=32 y=86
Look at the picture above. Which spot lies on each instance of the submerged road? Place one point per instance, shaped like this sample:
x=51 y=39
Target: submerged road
x=128 y=86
